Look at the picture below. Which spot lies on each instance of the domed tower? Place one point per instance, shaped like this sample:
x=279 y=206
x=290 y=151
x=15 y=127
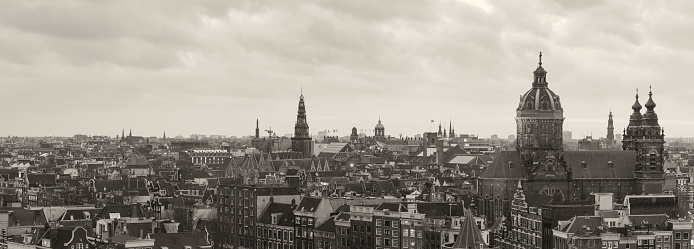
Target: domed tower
x=539 y=117
x=633 y=129
x=649 y=143
x=380 y=131
x=354 y=136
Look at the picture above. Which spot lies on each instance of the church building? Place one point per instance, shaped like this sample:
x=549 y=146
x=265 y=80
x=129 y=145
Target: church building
x=542 y=166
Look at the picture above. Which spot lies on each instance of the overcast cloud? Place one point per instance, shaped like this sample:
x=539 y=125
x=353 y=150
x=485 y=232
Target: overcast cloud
x=212 y=67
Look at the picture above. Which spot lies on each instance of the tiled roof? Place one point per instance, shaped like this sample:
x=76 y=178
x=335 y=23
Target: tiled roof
x=392 y=206
x=308 y=204
x=579 y=222
x=180 y=240
x=286 y=214
x=596 y=165
x=328 y=226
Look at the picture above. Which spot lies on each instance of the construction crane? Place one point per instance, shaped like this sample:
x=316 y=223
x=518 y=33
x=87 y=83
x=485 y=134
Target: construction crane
x=269 y=132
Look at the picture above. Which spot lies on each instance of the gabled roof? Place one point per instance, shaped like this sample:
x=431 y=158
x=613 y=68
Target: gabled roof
x=286 y=214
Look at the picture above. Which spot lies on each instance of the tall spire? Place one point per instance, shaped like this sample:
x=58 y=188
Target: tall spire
x=302 y=142
x=164 y=137
x=130 y=133
x=610 y=127
x=257 y=129
x=122 y=136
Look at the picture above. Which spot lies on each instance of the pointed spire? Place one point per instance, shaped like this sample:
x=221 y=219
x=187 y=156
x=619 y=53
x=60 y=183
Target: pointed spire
x=650 y=104
x=469 y=235
x=164 y=137
x=540 y=63
x=636 y=106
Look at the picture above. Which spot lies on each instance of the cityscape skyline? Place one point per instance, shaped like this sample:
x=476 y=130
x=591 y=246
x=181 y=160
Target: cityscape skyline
x=214 y=69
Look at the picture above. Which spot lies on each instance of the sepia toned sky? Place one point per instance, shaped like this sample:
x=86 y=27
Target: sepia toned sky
x=212 y=67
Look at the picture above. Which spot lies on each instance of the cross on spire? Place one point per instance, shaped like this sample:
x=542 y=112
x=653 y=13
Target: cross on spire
x=540 y=63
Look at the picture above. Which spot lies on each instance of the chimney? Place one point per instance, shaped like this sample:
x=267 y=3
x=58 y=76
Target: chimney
x=154 y=225
x=142 y=234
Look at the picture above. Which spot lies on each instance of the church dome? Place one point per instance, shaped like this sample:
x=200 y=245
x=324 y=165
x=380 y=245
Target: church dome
x=540 y=100
x=379 y=125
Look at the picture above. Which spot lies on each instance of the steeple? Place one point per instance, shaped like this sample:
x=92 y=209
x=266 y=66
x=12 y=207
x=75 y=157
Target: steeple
x=610 y=127
x=302 y=142
x=122 y=136
x=440 y=131
x=301 y=126
x=130 y=133
x=469 y=235
x=164 y=137
x=257 y=129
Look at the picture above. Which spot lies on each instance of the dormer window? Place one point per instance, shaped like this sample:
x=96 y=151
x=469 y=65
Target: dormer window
x=610 y=164
x=510 y=164
x=584 y=164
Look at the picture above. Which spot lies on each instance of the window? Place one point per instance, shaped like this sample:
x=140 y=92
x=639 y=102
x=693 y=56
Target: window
x=379 y=231
x=355 y=228
x=387 y=223
x=405 y=242
x=667 y=238
x=395 y=233
x=677 y=236
x=386 y=242
x=379 y=222
x=387 y=232
x=685 y=236
x=368 y=229
x=80 y=246
x=395 y=224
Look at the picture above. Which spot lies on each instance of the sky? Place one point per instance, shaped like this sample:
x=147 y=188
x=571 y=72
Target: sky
x=213 y=67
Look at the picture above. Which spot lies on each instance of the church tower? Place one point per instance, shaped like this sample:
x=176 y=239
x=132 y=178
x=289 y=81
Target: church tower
x=610 y=128
x=380 y=131
x=301 y=142
x=539 y=117
x=354 y=136
x=257 y=129
x=646 y=137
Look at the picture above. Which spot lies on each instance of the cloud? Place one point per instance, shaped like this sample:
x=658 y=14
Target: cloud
x=211 y=66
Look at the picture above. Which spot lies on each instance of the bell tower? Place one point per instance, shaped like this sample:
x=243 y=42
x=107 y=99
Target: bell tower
x=302 y=142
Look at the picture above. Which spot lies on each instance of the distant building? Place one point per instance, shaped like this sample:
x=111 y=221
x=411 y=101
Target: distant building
x=568 y=136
